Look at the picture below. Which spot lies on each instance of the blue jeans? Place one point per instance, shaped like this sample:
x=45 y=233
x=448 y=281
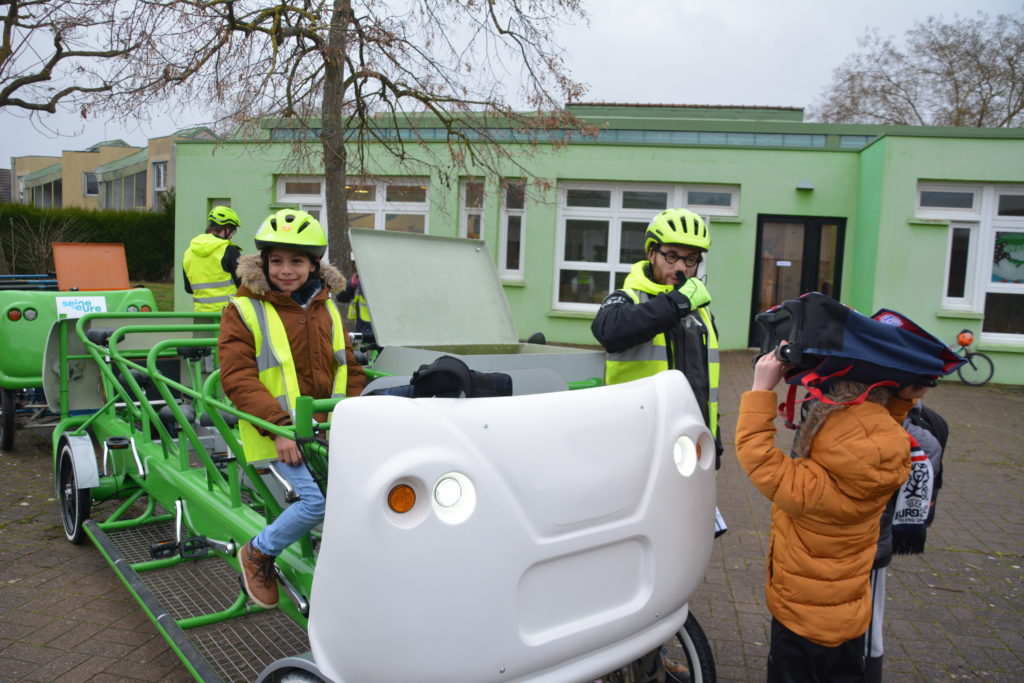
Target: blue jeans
x=299 y=517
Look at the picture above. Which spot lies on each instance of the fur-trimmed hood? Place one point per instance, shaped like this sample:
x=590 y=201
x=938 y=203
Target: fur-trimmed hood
x=250 y=271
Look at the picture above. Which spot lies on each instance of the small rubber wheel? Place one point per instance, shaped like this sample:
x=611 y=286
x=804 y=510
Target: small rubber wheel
x=75 y=503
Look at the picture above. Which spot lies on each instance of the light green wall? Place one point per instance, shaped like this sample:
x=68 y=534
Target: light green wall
x=888 y=261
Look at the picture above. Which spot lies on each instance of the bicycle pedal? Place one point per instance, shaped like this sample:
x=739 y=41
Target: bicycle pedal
x=194 y=547
x=160 y=550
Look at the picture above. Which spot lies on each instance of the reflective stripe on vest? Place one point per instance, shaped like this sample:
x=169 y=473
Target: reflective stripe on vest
x=359 y=309
x=276 y=366
x=212 y=286
x=650 y=358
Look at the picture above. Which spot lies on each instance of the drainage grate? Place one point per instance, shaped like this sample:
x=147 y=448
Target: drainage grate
x=191 y=589
x=240 y=649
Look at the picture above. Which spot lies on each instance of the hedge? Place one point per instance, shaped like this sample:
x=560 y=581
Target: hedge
x=26 y=233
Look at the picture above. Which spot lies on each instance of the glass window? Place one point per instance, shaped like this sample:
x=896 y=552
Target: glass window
x=656 y=201
x=582 y=286
x=956 y=276
x=302 y=187
x=406 y=193
x=159 y=175
x=704 y=198
x=1011 y=205
x=361 y=193
x=513 y=240
x=1004 y=313
x=90 y=186
x=947 y=199
x=404 y=222
x=631 y=245
x=586 y=240
x=1008 y=257
x=139 y=201
x=513 y=226
x=362 y=220
x=472 y=209
x=585 y=198
x=118 y=187
x=474 y=195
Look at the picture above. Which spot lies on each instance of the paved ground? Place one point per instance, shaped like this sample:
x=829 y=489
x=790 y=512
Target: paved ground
x=954 y=613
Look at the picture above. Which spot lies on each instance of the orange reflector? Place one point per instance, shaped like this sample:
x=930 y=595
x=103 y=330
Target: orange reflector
x=14 y=314
x=697 y=444
x=402 y=498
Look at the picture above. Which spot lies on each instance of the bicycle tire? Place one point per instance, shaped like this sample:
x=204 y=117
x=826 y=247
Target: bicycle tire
x=697 y=654
x=977 y=371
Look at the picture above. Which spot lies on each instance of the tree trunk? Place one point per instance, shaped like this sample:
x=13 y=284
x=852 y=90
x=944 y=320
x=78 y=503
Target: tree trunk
x=332 y=136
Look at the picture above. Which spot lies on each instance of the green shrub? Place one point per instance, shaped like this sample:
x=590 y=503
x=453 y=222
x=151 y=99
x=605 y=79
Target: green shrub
x=148 y=237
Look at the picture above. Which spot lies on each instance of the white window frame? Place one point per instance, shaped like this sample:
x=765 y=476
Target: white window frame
x=676 y=195
x=380 y=207
x=284 y=197
x=965 y=302
x=85 y=184
x=160 y=175
x=466 y=211
x=513 y=274
x=614 y=214
x=951 y=213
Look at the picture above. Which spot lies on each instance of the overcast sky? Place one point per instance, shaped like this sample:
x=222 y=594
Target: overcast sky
x=725 y=52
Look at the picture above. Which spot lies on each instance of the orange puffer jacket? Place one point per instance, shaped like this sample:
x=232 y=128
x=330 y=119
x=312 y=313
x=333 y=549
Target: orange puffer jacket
x=309 y=332
x=825 y=512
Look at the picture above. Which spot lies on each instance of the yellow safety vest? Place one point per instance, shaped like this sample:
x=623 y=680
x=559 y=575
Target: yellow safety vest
x=649 y=358
x=358 y=309
x=276 y=366
x=212 y=286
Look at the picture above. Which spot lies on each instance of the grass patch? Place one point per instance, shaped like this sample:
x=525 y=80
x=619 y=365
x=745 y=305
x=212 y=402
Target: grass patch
x=163 y=292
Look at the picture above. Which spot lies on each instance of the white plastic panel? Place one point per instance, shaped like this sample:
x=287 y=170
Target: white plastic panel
x=581 y=545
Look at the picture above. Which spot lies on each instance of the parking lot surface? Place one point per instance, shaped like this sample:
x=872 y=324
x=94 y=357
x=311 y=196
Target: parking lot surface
x=954 y=613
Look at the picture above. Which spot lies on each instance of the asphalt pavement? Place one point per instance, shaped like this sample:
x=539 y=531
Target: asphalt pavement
x=954 y=613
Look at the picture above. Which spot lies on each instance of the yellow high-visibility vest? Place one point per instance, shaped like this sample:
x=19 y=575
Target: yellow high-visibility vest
x=276 y=366
x=358 y=310
x=649 y=358
x=212 y=286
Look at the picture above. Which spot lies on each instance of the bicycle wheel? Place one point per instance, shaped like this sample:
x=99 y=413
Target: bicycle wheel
x=697 y=663
x=977 y=370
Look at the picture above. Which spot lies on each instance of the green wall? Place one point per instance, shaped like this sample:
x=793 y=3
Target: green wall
x=890 y=260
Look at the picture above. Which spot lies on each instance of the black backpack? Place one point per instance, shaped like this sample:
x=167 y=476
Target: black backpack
x=449 y=377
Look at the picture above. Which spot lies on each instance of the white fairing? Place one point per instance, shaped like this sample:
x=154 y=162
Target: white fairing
x=575 y=528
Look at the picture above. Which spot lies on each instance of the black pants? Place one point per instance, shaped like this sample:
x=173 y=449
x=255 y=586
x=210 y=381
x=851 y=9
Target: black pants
x=794 y=659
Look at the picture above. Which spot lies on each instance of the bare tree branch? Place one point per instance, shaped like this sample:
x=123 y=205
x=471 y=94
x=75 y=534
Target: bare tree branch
x=968 y=72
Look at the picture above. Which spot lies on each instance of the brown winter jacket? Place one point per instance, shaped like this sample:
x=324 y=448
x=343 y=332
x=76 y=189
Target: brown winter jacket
x=309 y=332
x=826 y=509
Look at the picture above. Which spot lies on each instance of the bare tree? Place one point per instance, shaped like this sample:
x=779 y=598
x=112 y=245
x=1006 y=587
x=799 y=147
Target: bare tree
x=70 y=43
x=399 y=74
x=968 y=72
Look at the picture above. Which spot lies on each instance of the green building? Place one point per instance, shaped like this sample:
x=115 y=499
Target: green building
x=926 y=221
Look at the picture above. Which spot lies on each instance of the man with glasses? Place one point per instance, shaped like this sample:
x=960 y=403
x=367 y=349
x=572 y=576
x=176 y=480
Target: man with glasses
x=660 y=319
x=211 y=260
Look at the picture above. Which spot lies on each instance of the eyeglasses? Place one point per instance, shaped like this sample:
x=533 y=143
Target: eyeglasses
x=690 y=259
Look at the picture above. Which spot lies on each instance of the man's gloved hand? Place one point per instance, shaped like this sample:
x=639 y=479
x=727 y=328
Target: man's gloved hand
x=695 y=292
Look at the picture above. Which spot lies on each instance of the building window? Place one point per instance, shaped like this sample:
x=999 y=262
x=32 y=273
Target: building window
x=90 y=186
x=160 y=184
x=48 y=196
x=985 y=256
x=602 y=228
x=472 y=225
x=380 y=204
x=513 y=228
x=128 y=192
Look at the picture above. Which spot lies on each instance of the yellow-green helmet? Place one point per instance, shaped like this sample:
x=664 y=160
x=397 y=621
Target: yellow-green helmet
x=678 y=226
x=224 y=215
x=293 y=229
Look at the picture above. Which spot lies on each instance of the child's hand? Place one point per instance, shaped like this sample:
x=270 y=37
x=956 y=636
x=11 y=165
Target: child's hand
x=767 y=373
x=287 y=451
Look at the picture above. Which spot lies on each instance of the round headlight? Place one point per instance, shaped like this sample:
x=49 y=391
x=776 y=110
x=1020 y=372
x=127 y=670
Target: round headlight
x=31 y=314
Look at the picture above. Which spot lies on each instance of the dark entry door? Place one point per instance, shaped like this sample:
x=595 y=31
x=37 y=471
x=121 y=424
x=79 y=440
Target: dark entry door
x=795 y=254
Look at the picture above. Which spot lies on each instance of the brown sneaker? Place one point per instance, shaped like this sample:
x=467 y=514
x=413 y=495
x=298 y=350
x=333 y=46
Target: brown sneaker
x=258 y=576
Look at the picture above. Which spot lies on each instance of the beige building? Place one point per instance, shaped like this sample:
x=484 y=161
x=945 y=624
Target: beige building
x=107 y=175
